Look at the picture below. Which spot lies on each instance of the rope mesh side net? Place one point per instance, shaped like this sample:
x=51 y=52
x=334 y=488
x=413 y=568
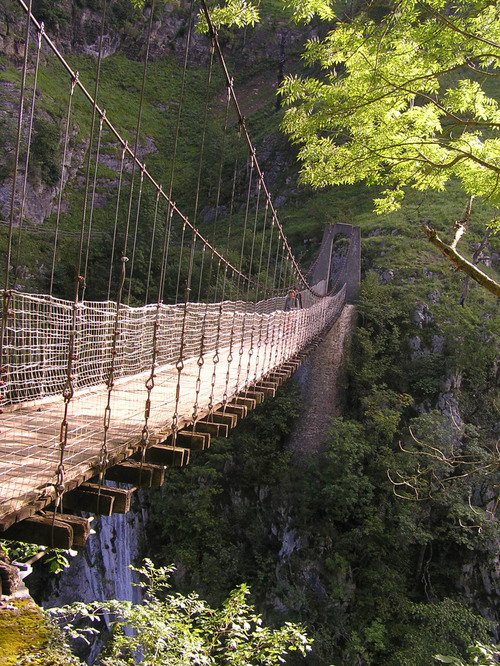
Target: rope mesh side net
x=144 y=326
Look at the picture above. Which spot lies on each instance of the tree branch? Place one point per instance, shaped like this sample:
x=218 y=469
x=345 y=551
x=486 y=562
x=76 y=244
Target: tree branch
x=475 y=258
x=455 y=28
x=461 y=263
x=461 y=225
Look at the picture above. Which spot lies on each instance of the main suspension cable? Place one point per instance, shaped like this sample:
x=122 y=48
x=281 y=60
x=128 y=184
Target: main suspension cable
x=132 y=153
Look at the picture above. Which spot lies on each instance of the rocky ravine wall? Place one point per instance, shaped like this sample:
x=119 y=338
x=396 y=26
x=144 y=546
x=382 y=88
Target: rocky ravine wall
x=101 y=570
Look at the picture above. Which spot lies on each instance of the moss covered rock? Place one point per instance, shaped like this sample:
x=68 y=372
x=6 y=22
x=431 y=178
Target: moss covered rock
x=27 y=637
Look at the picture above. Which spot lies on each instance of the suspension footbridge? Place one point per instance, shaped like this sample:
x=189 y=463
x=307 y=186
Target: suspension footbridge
x=115 y=379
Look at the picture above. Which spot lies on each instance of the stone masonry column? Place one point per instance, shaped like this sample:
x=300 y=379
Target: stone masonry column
x=321 y=378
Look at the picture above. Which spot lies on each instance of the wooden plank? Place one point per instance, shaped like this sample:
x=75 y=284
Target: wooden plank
x=215 y=429
x=219 y=417
x=280 y=376
x=292 y=363
x=263 y=388
x=196 y=441
x=263 y=384
x=80 y=526
x=83 y=500
x=27 y=510
x=166 y=455
x=258 y=396
x=291 y=367
x=131 y=472
x=41 y=530
x=273 y=379
x=240 y=410
x=122 y=497
x=250 y=403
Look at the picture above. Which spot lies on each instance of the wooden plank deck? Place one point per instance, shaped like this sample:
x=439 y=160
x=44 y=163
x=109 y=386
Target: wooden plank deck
x=30 y=435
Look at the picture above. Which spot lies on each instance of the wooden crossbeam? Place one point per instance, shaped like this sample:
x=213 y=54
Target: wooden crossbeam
x=135 y=473
x=42 y=530
x=80 y=526
x=95 y=498
x=241 y=411
x=215 y=429
x=196 y=441
x=292 y=366
x=39 y=530
x=122 y=497
x=29 y=509
x=258 y=396
x=266 y=384
x=277 y=377
x=83 y=500
x=281 y=372
x=266 y=388
x=250 y=403
x=220 y=417
x=165 y=455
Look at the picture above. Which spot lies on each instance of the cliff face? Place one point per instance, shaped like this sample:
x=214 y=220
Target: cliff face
x=100 y=571
x=258 y=58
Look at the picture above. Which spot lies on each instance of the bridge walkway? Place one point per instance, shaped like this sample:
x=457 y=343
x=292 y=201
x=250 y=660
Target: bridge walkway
x=31 y=445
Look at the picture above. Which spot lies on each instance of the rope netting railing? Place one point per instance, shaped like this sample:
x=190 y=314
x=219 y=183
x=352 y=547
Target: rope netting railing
x=120 y=319
x=40 y=327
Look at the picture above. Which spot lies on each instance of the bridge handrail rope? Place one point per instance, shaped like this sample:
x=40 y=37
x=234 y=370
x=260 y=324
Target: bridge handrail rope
x=41 y=325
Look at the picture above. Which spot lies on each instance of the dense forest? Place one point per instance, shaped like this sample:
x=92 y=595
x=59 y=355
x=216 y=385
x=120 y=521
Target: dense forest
x=384 y=545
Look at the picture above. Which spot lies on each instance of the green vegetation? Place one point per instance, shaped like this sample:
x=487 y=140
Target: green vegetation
x=181 y=630
x=56 y=559
x=422 y=114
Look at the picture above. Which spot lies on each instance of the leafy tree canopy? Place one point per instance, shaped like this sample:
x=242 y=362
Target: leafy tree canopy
x=405 y=100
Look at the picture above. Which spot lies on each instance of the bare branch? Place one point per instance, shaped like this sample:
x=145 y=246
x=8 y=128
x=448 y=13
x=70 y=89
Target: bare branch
x=461 y=263
x=461 y=225
x=475 y=258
